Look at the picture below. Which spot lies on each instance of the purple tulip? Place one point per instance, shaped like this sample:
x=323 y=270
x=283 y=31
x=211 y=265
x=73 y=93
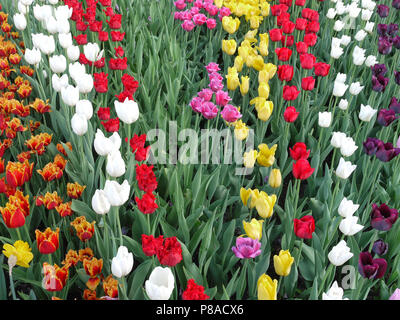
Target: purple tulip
x=394 y=105
x=396 y=4
x=384 y=45
x=397 y=77
x=396 y=42
x=392 y=29
x=383 y=217
x=379 y=69
x=209 y=110
x=371 y=145
x=386 y=152
x=371 y=268
x=379 y=83
x=395 y=295
x=386 y=117
x=382 y=29
x=383 y=10
x=380 y=247
x=247 y=248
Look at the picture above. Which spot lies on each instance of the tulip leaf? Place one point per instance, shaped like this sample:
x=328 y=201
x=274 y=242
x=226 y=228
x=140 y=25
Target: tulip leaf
x=137 y=280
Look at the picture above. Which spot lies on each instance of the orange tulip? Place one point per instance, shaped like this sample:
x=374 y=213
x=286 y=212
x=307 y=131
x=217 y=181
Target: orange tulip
x=60 y=162
x=74 y=190
x=55 y=277
x=47 y=241
x=61 y=149
x=84 y=229
x=16 y=210
x=89 y=295
x=14 y=58
x=49 y=200
x=40 y=106
x=50 y=172
x=18 y=173
x=64 y=209
x=86 y=253
x=110 y=286
x=71 y=258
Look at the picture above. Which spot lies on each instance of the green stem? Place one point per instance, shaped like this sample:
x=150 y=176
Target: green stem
x=12 y=286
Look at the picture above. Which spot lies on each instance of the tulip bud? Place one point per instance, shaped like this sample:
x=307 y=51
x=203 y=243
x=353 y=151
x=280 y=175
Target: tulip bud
x=85 y=108
x=127 y=111
x=117 y=194
x=340 y=254
x=79 y=124
x=70 y=95
x=122 y=263
x=59 y=82
x=73 y=53
x=283 y=263
x=253 y=228
x=266 y=288
x=92 y=52
x=100 y=202
x=19 y=21
x=102 y=145
x=160 y=285
x=58 y=64
x=324 y=119
x=65 y=40
x=85 y=83
x=115 y=164
x=33 y=56
x=345 y=169
x=275 y=178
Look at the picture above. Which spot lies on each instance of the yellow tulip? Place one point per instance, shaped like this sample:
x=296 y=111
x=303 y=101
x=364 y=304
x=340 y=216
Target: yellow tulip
x=263 y=90
x=219 y=3
x=275 y=178
x=230 y=24
x=255 y=22
x=266 y=156
x=258 y=63
x=264 y=37
x=258 y=102
x=253 y=228
x=241 y=130
x=229 y=46
x=244 y=51
x=263 y=76
x=263 y=48
x=232 y=81
x=266 y=288
x=265 y=9
x=245 y=195
x=264 y=110
x=21 y=251
x=265 y=205
x=249 y=158
x=238 y=64
x=244 y=86
x=283 y=263
x=271 y=69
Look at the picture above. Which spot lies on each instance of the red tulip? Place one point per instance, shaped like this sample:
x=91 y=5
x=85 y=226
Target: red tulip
x=301 y=24
x=304 y=227
x=288 y=27
x=284 y=16
x=275 y=34
x=302 y=169
x=301 y=47
x=285 y=73
x=287 y=41
x=310 y=39
x=283 y=54
x=307 y=60
x=290 y=114
x=308 y=83
x=290 y=93
x=299 y=151
x=321 y=69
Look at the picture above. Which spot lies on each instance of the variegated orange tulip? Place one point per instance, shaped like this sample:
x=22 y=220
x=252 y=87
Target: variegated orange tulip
x=15 y=35
x=4 y=83
x=15 y=125
x=50 y=172
x=47 y=241
x=84 y=229
x=60 y=162
x=24 y=91
x=55 y=277
x=16 y=210
x=6 y=189
x=5 y=27
x=110 y=286
x=61 y=149
x=49 y=200
x=4 y=65
x=18 y=173
x=89 y=294
x=71 y=258
x=27 y=70
x=74 y=190
x=26 y=155
x=21 y=110
x=64 y=209
x=36 y=145
x=86 y=253
x=33 y=125
x=14 y=58
x=93 y=268
x=40 y=106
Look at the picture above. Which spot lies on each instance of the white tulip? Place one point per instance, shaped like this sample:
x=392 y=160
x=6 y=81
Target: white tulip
x=324 y=119
x=19 y=21
x=369 y=26
x=122 y=263
x=358 y=56
x=345 y=40
x=160 y=285
x=59 y=82
x=338 y=26
x=343 y=104
x=115 y=164
x=360 y=35
x=84 y=83
x=347 y=208
x=53 y=2
x=73 y=53
x=92 y=52
x=76 y=70
x=345 y=169
x=70 y=95
x=341 y=77
x=353 y=10
x=366 y=14
x=63 y=13
x=371 y=61
x=42 y=13
x=79 y=124
x=339 y=89
x=51 y=25
x=65 y=40
x=355 y=88
x=85 y=108
x=331 y=14
x=340 y=8
x=117 y=194
x=26 y=2
x=127 y=111
x=337 y=139
x=58 y=64
x=340 y=254
x=47 y=45
x=348 y=147
x=349 y=226
x=63 y=26
x=33 y=56
x=37 y=38
x=116 y=141
x=100 y=202
x=334 y=293
x=22 y=8
x=336 y=42
x=366 y=113
x=102 y=145
x=336 y=52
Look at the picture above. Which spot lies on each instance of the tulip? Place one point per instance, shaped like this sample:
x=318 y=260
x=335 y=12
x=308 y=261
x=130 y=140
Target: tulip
x=100 y=202
x=59 y=82
x=51 y=25
x=76 y=70
x=84 y=83
x=115 y=164
x=266 y=156
x=345 y=169
x=79 y=124
x=355 y=88
x=366 y=113
x=290 y=114
x=160 y=284
x=347 y=208
x=331 y=14
x=92 y=52
x=386 y=117
x=128 y=111
x=63 y=26
x=349 y=226
x=229 y=46
x=348 y=147
x=340 y=254
x=117 y=194
x=358 y=56
x=275 y=178
x=324 y=119
x=241 y=130
x=334 y=293
x=55 y=277
x=102 y=145
x=283 y=263
x=47 y=241
x=122 y=263
x=247 y=248
x=383 y=217
x=337 y=139
x=338 y=26
x=386 y=152
x=42 y=13
x=73 y=53
x=360 y=35
x=369 y=26
x=380 y=247
x=371 y=60
x=230 y=113
x=249 y=158
x=33 y=56
x=70 y=95
x=253 y=228
x=371 y=268
x=19 y=21
x=304 y=227
x=336 y=52
x=58 y=64
x=85 y=108
x=339 y=89
x=266 y=288
x=343 y=104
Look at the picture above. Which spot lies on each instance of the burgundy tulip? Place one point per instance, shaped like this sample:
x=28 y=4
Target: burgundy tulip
x=383 y=10
x=383 y=217
x=387 y=152
x=371 y=146
x=394 y=105
x=380 y=247
x=386 y=117
x=384 y=45
x=396 y=4
x=371 y=268
x=397 y=77
x=379 y=83
x=379 y=69
x=396 y=42
x=382 y=29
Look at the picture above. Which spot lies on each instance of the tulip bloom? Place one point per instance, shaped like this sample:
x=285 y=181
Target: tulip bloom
x=340 y=254
x=290 y=93
x=253 y=228
x=55 y=277
x=160 y=284
x=371 y=268
x=290 y=114
x=266 y=156
x=380 y=247
x=194 y=291
x=383 y=217
x=266 y=288
x=386 y=152
x=283 y=263
x=47 y=241
x=299 y=151
x=304 y=227
x=247 y=248
x=302 y=169
x=122 y=263
x=334 y=293
x=84 y=229
x=275 y=178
